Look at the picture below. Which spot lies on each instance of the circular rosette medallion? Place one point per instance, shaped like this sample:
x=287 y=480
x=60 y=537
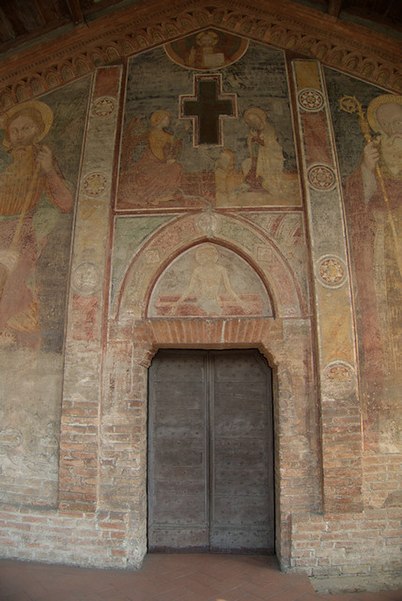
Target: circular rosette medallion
x=331 y=271
x=339 y=371
x=86 y=278
x=321 y=178
x=310 y=100
x=104 y=106
x=94 y=184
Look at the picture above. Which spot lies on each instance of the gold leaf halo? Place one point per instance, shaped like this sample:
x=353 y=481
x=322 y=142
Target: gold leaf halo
x=44 y=110
x=375 y=105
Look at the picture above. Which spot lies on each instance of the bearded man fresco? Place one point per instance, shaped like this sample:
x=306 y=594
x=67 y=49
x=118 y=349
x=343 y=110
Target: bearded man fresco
x=32 y=190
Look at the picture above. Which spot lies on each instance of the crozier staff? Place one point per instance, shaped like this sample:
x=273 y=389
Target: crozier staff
x=374 y=217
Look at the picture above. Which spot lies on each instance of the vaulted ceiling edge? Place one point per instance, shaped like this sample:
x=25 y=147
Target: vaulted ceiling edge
x=111 y=39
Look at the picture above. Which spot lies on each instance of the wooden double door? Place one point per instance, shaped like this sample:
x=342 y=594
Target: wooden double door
x=210 y=452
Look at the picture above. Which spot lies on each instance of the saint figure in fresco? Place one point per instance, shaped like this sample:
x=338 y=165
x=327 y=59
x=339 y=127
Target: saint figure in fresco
x=205 y=54
x=208 y=49
x=32 y=193
x=264 y=168
x=156 y=176
x=209 y=280
x=228 y=179
x=374 y=213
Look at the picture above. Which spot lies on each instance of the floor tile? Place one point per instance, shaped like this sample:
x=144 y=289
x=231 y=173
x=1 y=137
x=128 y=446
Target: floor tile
x=164 y=577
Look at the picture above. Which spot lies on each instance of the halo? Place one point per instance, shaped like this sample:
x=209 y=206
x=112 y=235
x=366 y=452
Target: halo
x=261 y=114
x=158 y=116
x=375 y=105
x=45 y=111
x=207 y=32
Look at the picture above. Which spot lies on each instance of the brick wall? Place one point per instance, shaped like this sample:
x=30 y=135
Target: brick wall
x=101 y=539
x=364 y=545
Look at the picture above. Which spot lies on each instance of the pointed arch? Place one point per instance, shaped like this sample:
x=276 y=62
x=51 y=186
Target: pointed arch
x=236 y=234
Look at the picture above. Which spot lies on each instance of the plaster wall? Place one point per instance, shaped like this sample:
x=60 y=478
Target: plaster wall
x=268 y=203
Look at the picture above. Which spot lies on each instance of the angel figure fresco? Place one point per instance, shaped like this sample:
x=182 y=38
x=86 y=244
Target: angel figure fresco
x=32 y=192
x=156 y=176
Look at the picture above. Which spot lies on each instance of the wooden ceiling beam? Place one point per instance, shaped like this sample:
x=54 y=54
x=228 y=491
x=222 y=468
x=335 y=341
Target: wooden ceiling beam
x=75 y=9
x=334 y=8
x=388 y=8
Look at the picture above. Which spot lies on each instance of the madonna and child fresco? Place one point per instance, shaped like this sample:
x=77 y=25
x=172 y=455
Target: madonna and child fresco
x=220 y=134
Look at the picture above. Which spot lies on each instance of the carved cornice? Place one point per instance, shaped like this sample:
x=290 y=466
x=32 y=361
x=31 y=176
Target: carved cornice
x=349 y=48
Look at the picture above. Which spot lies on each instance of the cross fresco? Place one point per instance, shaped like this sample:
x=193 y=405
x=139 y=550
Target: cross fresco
x=229 y=143
x=207 y=108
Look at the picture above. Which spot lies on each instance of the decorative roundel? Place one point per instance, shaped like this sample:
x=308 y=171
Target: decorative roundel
x=321 y=177
x=85 y=278
x=331 y=271
x=104 y=106
x=311 y=100
x=94 y=184
x=207 y=223
x=339 y=371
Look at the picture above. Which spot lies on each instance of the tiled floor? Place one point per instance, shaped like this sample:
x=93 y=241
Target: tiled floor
x=181 y=577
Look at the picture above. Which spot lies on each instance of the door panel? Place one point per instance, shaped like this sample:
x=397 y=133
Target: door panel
x=178 y=464
x=241 y=455
x=210 y=452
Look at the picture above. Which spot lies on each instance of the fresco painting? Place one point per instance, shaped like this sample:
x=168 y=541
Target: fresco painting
x=209 y=281
x=130 y=233
x=31 y=174
x=39 y=162
x=371 y=161
x=168 y=163
x=209 y=49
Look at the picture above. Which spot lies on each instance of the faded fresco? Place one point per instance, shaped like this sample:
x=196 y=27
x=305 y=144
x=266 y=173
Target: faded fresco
x=217 y=134
x=39 y=159
x=209 y=49
x=209 y=281
x=368 y=128
x=130 y=233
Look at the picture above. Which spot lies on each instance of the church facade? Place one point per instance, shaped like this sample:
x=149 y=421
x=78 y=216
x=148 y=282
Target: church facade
x=178 y=184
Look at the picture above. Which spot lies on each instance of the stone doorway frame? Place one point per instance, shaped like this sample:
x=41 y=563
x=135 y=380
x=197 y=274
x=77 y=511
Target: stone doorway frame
x=277 y=341
x=285 y=340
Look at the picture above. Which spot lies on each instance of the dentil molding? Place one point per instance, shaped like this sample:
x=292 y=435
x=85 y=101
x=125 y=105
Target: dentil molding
x=281 y=23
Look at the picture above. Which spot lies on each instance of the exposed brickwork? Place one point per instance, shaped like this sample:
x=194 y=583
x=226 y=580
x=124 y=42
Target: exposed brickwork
x=79 y=437
x=340 y=406
x=382 y=480
x=285 y=343
x=361 y=544
x=101 y=539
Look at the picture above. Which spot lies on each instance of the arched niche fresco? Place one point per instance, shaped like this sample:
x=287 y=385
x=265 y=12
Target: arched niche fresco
x=228 y=234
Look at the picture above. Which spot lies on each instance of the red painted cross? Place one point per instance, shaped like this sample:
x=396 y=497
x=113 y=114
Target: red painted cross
x=207 y=107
